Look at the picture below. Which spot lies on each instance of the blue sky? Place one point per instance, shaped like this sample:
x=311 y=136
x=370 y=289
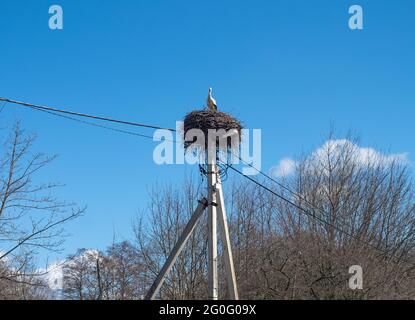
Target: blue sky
x=291 y=68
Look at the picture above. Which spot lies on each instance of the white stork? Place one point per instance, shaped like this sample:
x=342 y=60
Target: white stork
x=211 y=102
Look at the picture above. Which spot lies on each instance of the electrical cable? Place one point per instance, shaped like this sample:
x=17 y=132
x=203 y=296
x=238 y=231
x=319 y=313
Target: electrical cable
x=319 y=219
x=45 y=108
x=60 y=112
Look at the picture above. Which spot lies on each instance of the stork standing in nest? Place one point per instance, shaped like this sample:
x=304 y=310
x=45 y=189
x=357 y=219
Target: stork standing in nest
x=211 y=102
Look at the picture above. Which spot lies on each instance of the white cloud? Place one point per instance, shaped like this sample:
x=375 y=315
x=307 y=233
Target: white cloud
x=363 y=155
x=54 y=275
x=4 y=259
x=284 y=168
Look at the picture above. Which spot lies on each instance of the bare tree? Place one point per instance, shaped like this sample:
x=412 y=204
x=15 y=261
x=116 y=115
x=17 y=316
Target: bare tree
x=117 y=274
x=358 y=209
x=345 y=208
x=81 y=276
x=31 y=219
x=124 y=272
x=157 y=232
x=360 y=212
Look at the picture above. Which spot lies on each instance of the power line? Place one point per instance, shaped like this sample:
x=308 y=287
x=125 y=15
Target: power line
x=98 y=125
x=59 y=112
x=45 y=108
x=319 y=219
x=64 y=115
x=296 y=194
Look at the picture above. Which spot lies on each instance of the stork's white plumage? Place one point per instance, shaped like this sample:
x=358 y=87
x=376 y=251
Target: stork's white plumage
x=211 y=102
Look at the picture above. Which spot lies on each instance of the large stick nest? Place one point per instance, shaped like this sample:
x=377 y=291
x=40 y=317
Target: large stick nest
x=212 y=119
